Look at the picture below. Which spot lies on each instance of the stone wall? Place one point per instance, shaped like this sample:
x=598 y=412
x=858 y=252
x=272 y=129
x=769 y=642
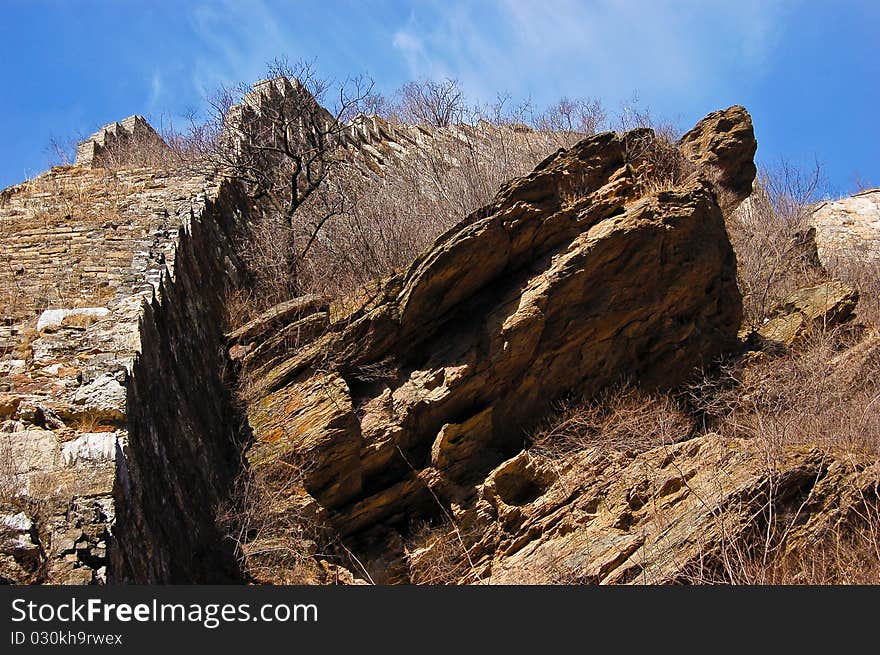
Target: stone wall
x=97 y=266
x=184 y=431
x=134 y=137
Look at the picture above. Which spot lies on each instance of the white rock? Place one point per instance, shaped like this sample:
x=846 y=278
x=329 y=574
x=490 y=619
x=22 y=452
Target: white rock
x=16 y=522
x=13 y=367
x=104 y=394
x=89 y=447
x=16 y=533
x=52 y=319
x=29 y=450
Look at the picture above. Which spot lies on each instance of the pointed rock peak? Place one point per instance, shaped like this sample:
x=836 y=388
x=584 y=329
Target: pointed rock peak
x=724 y=141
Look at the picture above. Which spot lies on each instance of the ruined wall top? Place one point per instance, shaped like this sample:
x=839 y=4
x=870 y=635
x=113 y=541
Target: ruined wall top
x=131 y=141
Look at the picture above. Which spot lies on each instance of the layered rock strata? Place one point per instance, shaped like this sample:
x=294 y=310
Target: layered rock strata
x=571 y=279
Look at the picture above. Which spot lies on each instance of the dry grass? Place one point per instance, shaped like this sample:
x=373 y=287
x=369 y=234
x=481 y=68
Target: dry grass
x=861 y=270
x=274 y=525
x=439 y=554
x=848 y=554
x=826 y=393
x=68 y=193
x=264 y=250
x=622 y=418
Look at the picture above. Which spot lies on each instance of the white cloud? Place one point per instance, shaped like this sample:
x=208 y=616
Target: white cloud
x=237 y=40
x=155 y=92
x=412 y=50
x=607 y=48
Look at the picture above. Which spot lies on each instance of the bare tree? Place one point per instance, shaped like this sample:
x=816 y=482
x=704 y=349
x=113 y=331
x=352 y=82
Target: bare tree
x=582 y=116
x=61 y=151
x=438 y=104
x=281 y=142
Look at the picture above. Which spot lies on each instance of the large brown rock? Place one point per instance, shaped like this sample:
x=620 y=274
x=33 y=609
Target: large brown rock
x=724 y=143
x=821 y=306
x=571 y=279
x=676 y=513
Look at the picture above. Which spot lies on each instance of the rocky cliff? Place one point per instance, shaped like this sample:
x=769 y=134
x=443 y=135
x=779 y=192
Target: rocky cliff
x=389 y=436
x=572 y=279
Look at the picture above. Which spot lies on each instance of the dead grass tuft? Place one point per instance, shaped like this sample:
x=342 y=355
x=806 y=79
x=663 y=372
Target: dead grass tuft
x=622 y=418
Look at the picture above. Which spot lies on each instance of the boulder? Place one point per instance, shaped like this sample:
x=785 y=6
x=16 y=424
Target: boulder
x=54 y=319
x=821 y=306
x=848 y=230
x=572 y=278
x=103 y=397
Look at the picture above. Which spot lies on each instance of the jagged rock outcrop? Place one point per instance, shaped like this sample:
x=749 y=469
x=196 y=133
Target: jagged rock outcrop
x=822 y=306
x=121 y=143
x=848 y=229
x=678 y=513
x=724 y=141
x=571 y=279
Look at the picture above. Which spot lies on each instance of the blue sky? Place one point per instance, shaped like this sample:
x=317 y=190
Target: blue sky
x=808 y=71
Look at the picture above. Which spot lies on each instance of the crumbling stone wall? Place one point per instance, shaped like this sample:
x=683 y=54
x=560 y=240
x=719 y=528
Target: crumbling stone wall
x=96 y=267
x=183 y=451
x=848 y=229
x=119 y=141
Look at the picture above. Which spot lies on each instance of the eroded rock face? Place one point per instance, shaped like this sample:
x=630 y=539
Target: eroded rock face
x=672 y=514
x=725 y=141
x=569 y=280
x=821 y=306
x=848 y=229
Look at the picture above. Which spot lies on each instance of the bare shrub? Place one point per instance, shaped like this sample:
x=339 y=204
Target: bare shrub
x=659 y=164
x=570 y=120
x=848 y=554
x=265 y=252
x=622 y=418
x=429 y=102
x=32 y=566
x=771 y=236
x=860 y=268
x=61 y=151
x=274 y=525
x=385 y=220
x=825 y=393
x=633 y=116
x=439 y=554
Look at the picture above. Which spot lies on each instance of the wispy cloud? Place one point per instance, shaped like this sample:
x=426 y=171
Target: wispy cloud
x=154 y=101
x=607 y=48
x=235 y=41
